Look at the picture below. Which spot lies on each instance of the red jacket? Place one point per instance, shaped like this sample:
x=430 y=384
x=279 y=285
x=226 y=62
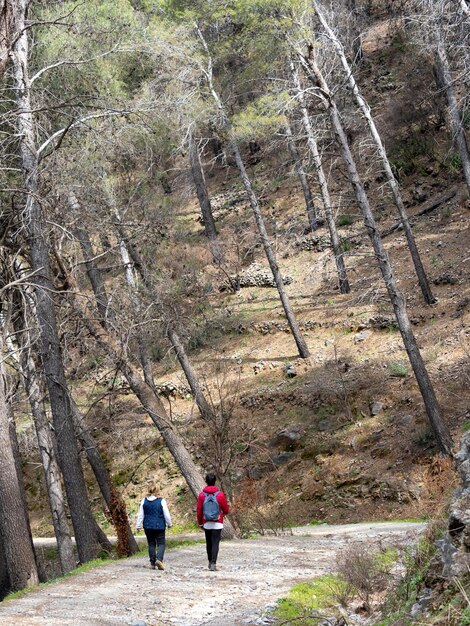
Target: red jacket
x=221 y=499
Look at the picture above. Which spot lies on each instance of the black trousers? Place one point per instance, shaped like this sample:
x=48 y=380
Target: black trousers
x=155 y=538
x=212 y=543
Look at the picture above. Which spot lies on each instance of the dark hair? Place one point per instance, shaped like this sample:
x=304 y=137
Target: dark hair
x=210 y=479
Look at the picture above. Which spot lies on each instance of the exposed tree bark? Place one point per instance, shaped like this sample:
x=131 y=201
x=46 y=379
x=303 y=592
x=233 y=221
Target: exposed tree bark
x=94 y=275
x=464 y=8
x=51 y=357
x=438 y=425
x=366 y=112
x=14 y=523
x=322 y=182
x=302 y=176
x=201 y=188
x=4 y=580
x=445 y=77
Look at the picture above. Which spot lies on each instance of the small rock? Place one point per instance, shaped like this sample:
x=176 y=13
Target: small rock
x=362 y=336
x=286 y=438
x=281 y=459
x=290 y=371
x=137 y=623
x=376 y=408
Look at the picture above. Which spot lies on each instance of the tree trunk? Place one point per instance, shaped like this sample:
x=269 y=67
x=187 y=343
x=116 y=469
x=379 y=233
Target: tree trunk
x=322 y=182
x=126 y=543
x=14 y=523
x=191 y=376
x=439 y=427
x=49 y=461
x=94 y=275
x=225 y=121
x=366 y=112
x=124 y=237
x=201 y=188
x=51 y=357
x=136 y=309
x=302 y=176
x=4 y=580
x=299 y=339
x=445 y=77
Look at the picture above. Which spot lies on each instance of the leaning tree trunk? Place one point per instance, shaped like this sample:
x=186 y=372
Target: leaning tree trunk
x=225 y=122
x=201 y=188
x=51 y=357
x=126 y=240
x=302 y=176
x=126 y=543
x=322 y=182
x=366 y=112
x=48 y=457
x=191 y=376
x=296 y=332
x=445 y=77
x=438 y=425
x=14 y=523
x=94 y=275
x=137 y=313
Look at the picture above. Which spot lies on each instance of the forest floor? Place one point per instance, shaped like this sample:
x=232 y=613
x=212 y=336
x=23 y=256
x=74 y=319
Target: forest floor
x=254 y=574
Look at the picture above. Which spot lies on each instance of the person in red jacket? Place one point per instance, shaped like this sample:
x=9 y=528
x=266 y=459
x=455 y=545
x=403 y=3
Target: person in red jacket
x=211 y=507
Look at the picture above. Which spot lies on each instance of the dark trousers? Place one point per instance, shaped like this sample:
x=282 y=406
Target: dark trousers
x=212 y=543
x=155 y=538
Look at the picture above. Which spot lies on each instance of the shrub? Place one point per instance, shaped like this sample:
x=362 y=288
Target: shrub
x=398 y=369
x=364 y=570
x=345 y=220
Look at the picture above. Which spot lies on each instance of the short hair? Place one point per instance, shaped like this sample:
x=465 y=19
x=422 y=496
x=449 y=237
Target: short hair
x=210 y=479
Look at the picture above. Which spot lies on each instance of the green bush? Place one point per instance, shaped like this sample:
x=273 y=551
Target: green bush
x=345 y=220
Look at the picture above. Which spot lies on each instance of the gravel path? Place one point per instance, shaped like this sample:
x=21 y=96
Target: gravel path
x=254 y=573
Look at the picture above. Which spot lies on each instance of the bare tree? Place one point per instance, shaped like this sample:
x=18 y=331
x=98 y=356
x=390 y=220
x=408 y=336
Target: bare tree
x=438 y=425
x=302 y=176
x=254 y=203
x=322 y=182
x=447 y=85
x=201 y=187
x=51 y=357
x=46 y=445
x=366 y=112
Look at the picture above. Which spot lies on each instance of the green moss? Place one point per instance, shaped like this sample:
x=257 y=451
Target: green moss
x=309 y=597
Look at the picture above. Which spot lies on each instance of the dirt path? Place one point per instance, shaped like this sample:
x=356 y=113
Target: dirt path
x=254 y=573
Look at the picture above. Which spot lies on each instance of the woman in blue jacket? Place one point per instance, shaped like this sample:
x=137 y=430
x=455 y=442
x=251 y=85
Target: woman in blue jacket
x=154 y=517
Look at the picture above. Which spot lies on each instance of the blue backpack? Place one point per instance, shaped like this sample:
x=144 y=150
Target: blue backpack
x=210 y=507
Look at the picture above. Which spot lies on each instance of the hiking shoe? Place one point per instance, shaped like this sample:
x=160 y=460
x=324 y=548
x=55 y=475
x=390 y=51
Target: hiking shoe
x=215 y=568
x=211 y=567
x=152 y=565
x=160 y=565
